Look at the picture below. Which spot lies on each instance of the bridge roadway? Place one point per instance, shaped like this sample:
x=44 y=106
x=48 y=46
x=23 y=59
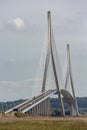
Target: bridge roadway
x=31 y=103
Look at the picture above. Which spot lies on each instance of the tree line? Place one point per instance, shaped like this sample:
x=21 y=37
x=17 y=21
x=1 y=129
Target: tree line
x=54 y=105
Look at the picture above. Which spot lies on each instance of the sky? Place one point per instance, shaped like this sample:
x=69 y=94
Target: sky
x=23 y=26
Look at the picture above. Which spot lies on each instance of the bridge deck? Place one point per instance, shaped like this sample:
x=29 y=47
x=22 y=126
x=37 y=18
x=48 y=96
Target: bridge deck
x=30 y=103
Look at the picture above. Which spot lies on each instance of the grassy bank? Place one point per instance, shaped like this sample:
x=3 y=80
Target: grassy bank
x=42 y=124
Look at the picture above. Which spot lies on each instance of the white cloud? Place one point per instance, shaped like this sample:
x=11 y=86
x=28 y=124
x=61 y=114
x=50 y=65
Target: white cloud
x=17 y=24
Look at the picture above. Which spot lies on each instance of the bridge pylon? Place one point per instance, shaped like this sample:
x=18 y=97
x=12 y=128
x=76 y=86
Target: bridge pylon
x=50 y=54
x=74 y=106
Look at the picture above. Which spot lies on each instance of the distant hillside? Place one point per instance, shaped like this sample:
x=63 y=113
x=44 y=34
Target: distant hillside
x=7 y=105
x=54 y=103
x=82 y=105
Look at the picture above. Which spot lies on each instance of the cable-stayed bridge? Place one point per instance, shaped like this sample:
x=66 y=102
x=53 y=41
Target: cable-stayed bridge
x=40 y=105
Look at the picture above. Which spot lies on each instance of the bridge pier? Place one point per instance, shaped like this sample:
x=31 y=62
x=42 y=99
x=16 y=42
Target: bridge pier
x=42 y=109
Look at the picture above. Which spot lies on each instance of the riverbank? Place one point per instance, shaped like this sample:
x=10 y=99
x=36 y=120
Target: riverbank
x=43 y=123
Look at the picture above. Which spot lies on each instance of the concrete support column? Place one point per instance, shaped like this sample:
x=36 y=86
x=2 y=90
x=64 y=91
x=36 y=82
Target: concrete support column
x=32 y=111
x=48 y=107
x=37 y=110
x=73 y=110
x=42 y=109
